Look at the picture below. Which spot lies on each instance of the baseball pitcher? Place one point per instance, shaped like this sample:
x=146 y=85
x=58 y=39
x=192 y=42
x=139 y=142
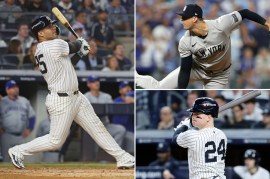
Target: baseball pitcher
x=64 y=102
x=206 y=144
x=205 y=50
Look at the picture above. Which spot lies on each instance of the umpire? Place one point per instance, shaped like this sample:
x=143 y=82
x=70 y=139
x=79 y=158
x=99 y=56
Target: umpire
x=17 y=118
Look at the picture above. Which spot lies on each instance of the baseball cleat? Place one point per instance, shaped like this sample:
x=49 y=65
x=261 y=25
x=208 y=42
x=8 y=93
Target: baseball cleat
x=16 y=158
x=127 y=161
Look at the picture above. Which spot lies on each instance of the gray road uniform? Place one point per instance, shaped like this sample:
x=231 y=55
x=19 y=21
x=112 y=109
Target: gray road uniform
x=15 y=116
x=211 y=56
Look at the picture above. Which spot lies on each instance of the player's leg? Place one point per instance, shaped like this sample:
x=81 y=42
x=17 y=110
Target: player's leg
x=61 y=112
x=90 y=122
x=148 y=82
x=118 y=132
x=219 y=81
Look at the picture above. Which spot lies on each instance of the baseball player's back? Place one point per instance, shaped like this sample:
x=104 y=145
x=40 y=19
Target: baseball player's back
x=54 y=64
x=206 y=152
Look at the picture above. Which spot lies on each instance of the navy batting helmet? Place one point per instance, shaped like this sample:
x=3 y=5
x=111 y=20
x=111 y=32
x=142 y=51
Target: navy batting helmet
x=205 y=105
x=40 y=23
x=253 y=154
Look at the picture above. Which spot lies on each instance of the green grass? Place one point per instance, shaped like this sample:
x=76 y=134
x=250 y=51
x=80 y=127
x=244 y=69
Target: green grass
x=61 y=164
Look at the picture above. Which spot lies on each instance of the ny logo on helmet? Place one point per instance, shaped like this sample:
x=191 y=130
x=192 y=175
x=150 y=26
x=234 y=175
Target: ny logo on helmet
x=207 y=104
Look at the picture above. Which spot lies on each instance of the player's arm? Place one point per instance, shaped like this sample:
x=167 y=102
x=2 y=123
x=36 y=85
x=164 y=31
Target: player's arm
x=178 y=131
x=80 y=47
x=247 y=14
x=184 y=73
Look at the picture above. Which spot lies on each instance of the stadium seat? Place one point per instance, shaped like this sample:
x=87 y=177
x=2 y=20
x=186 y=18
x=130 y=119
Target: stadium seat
x=10 y=59
x=3 y=50
x=103 y=52
x=7 y=34
x=26 y=66
x=8 y=66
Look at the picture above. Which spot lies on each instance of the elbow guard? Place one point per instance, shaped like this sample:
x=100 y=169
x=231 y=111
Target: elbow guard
x=179 y=130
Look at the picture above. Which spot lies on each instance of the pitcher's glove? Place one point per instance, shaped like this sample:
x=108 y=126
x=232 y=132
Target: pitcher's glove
x=85 y=48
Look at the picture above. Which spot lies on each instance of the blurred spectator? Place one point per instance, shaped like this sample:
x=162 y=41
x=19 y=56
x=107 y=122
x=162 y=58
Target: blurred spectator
x=166 y=119
x=232 y=94
x=118 y=16
x=24 y=37
x=94 y=95
x=14 y=47
x=102 y=32
x=43 y=129
x=30 y=57
x=142 y=110
x=262 y=61
x=249 y=79
x=128 y=5
x=37 y=6
x=66 y=6
x=123 y=62
x=80 y=22
x=17 y=118
x=79 y=31
x=101 y=4
x=252 y=168
x=3 y=44
x=224 y=115
x=127 y=97
x=88 y=7
x=92 y=61
x=191 y=97
x=237 y=121
x=164 y=159
x=8 y=7
x=265 y=123
x=247 y=61
x=252 y=112
x=211 y=93
x=111 y=64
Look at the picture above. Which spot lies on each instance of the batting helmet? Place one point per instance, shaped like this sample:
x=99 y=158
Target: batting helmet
x=41 y=22
x=253 y=154
x=205 y=106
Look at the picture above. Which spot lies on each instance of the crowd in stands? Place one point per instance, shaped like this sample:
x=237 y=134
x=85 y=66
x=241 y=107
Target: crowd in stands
x=164 y=110
x=159 y=29
x=102 y=21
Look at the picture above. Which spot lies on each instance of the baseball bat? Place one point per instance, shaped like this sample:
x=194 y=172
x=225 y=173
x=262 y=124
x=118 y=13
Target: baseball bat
x=63 y=20
x=240 y=100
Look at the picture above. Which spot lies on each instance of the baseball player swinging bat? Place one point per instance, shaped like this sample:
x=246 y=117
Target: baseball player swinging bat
x=240 y=100
x=63 y=20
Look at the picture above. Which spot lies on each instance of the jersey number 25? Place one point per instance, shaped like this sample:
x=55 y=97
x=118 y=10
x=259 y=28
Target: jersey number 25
x=213 y=150
x=41 y=64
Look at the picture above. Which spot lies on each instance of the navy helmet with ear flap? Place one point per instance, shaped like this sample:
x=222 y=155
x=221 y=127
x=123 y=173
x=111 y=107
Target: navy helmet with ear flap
x=41 y=22
x=206 y=106
x=253 y=154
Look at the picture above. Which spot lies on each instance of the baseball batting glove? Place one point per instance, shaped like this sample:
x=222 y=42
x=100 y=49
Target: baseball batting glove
x=185 y=122
x=85 y=48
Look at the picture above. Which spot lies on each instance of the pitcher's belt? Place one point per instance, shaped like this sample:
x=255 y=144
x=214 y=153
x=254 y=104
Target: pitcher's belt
x=214 y=72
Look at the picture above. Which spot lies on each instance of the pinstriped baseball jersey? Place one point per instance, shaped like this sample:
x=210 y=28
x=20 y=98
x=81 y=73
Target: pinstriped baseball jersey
x=54 y=64
x=206 y=152
x=214 y=51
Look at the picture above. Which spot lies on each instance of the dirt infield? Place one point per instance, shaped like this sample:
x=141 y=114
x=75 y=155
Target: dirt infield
x=59 y=172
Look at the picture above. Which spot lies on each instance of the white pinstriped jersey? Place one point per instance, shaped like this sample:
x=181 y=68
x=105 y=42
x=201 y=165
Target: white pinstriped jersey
x=206 y=152
x=244 y=173
x=55 y=65
x=214 y=51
